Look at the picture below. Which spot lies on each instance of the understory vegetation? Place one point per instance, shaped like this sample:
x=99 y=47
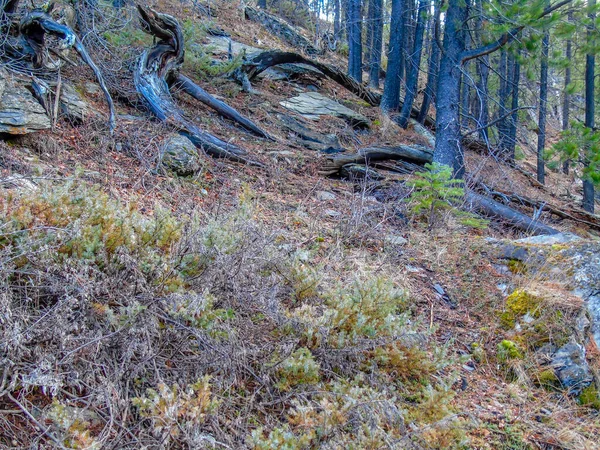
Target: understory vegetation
x=146 y=330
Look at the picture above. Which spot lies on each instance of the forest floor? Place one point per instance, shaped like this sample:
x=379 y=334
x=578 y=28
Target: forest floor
x=344 y=233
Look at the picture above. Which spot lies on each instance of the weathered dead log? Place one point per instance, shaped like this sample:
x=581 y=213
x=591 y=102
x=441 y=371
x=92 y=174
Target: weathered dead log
x=497 y=211
x=257 y=64
x=36 y=25
x=161 y=63
x=189 y=87
x=416 y=154
x=572 y=214
x=281 y=29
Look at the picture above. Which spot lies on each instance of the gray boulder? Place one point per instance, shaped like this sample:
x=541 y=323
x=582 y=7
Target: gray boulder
x=571 y=367
x=180 y=156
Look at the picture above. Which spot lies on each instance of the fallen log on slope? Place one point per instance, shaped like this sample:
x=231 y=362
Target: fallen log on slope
x=161 y=63
x=189 y=87
x=497 y=211
x=411 y=153
x=257 y=64
x=281 y=29
x=573 y=214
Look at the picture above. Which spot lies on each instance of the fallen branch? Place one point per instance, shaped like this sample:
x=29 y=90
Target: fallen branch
x=497 y=211
x=263 y=61
x=195 y=91
x=415 y=154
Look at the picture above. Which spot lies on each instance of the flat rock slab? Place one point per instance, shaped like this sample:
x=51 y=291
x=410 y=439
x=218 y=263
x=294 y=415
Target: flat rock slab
x=20 y=112
x=313 y=105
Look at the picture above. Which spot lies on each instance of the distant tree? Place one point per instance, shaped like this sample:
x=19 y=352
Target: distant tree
x=590 y=61
x=355 y=40
x=390 y=99
x=376 y=26
x=543 y=108
x=412 y=80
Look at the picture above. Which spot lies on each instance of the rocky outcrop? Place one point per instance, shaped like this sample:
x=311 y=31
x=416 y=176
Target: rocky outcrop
x=313 y=105
x=20 y=112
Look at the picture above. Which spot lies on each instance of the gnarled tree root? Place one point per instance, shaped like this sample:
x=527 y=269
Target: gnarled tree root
x=34 y=28
x=157 y=67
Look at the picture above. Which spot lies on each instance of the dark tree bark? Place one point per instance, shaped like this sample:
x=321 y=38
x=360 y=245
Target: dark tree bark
x=590 y=61
x=503 y=96
x=355 y=40
x=377 y=42
x=543 y=110
x=391 y=89
x=412 y=81
x=432 y=71
x=514 y=117
x=337 y=24
x=368 y=28
x=447 y=142
x=566 y=110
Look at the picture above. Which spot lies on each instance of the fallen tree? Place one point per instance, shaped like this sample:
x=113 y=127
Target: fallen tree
x=158 y=68
x=260 y=62
x=416 y=154
x=499 y=212
x=30 y=49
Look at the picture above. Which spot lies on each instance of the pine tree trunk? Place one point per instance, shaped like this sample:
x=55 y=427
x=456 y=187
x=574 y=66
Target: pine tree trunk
x=391 y=89
x=590 y=60
x=412 y=81
x=432 y=71
x=336 y=19
x=514 y=117
x=355 y=40
x=566 y=111
x=543 y=110
x=377 y=33
x=447 y=142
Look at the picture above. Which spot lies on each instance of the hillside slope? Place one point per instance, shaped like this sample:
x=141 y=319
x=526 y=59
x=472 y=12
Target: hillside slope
x=274 y=307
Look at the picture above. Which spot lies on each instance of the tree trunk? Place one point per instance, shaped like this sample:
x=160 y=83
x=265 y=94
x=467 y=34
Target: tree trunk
x=355 y=40
x=432 y=72
x=566 y=96
x=483 y=72
x=391 y=89
x=412 y=82
x=336 y=20
x=514 y=117
x=377 y=33
x=541 y=143
x=447 y=142
x=590 y=60
x=503 y=95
